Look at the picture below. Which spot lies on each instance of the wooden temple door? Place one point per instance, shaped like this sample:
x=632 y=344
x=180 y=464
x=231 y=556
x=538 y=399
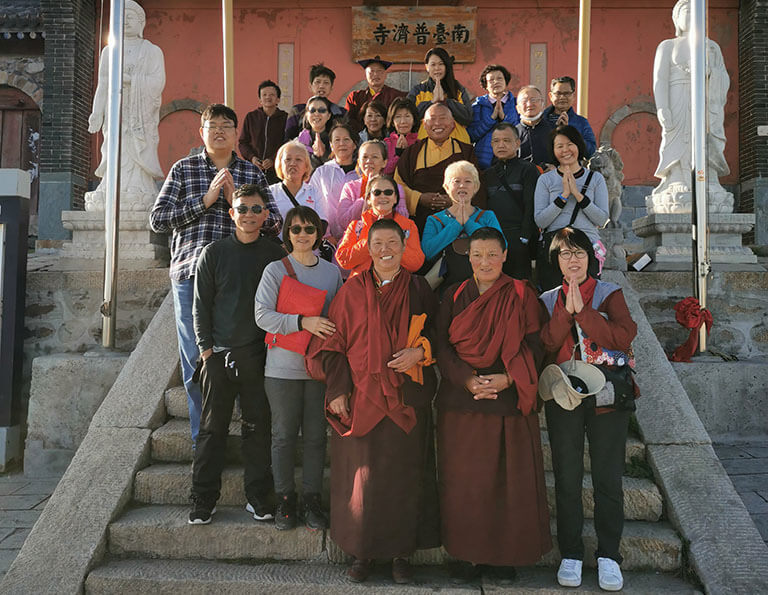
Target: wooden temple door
x=20 y=140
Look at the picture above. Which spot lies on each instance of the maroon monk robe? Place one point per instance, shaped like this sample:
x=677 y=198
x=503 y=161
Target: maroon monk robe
x=383 y=487
x=489 y=454
x=429 y=179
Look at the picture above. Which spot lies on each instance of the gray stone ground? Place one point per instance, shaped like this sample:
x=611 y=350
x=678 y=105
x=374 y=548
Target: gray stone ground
x=747 y=465
x=22 y=499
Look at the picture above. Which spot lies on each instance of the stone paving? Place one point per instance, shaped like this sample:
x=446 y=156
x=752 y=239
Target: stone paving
x=22 y=499
x=747 y=465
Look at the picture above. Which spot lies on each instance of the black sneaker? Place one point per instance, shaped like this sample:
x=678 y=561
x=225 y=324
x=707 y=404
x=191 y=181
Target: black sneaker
x=501 y=575
x=285 y=515
x=313 y=513
x=200 y=514
x=260 y=510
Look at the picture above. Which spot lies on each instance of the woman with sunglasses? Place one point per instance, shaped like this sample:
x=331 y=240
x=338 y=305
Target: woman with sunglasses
x=371 y=158
x=381 y=197
x=317 y=123
x=295 y=399
x=446 y=233
x=596 y=313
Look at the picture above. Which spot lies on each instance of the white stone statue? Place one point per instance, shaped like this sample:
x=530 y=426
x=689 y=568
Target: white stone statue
x=143 y=82
x=672 y=91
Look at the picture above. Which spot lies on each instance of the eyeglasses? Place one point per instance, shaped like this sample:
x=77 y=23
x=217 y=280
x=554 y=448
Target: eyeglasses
x=387 y=192
x=568 y=254
x=318 y=110
x=308 y=229
x=220 y=128
x=562 y=93
x=255 y=209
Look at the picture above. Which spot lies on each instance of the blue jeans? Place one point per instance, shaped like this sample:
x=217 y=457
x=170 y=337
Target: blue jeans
x=183 y=296
x=297 y=404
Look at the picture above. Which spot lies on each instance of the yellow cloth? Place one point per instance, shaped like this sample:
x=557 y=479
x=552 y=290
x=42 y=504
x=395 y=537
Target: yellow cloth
x=435 y=155
x=459 y=133
x=415 y=339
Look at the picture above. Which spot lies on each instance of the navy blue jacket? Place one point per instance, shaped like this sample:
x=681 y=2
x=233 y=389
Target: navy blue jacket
x=481 y=128
x=580 y=123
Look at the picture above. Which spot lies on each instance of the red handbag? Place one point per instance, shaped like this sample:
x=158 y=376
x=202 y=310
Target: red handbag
x=295 y=297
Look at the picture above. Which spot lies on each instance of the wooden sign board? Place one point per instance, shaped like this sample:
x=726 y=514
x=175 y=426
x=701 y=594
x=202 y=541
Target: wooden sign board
x=404 y=34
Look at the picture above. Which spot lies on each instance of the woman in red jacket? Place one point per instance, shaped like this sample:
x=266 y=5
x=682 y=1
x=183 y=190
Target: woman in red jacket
x=381 y=196
x=594 y=312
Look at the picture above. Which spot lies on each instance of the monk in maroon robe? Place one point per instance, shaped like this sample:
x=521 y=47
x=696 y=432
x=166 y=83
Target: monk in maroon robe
x=421 y=167
x=380 y=388
x=492 y=492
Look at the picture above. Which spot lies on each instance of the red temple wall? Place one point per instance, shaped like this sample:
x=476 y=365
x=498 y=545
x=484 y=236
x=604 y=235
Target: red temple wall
x=623 y=43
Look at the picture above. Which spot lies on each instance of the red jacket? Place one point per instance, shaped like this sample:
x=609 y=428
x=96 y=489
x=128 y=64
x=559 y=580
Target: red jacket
x=352 y=252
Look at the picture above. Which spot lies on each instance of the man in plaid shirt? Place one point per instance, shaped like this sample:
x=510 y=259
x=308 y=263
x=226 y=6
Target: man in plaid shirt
x=193 y=205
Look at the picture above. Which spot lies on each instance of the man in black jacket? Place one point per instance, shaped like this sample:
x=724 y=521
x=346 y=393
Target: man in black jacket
x=232 y=358
x=510 y=183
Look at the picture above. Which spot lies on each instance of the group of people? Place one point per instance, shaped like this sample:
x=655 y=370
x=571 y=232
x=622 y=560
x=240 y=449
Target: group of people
x=437 y=262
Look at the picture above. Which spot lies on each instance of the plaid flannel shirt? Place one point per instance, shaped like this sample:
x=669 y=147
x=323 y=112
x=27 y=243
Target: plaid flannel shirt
x=179 y=209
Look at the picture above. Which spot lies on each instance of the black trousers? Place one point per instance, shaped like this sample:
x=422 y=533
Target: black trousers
x=219 y=392
x=607 y=436
x=518 y=263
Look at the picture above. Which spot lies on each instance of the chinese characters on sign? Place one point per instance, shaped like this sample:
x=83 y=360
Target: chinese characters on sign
x=421 y=34
x=402 y=34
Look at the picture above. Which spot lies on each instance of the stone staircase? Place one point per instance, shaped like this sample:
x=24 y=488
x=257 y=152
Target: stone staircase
x=152 y=549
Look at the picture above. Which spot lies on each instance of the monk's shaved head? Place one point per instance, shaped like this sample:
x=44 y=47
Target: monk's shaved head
x=439 y=122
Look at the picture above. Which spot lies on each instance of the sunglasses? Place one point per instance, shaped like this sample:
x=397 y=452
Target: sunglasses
x=255 y=209
x=387 y=192
x=308 y=229
x=318 y=110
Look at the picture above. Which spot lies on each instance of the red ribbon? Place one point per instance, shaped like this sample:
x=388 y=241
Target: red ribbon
x=690 y=314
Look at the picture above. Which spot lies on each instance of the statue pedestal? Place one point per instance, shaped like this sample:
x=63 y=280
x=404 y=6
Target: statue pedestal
x=138 y=243
x=667 y=239
x=613 y=240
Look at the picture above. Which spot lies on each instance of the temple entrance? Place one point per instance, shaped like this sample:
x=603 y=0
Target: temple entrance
x=20 y=140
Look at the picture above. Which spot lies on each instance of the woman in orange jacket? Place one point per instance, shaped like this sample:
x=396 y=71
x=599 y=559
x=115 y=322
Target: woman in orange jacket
x=381 y=197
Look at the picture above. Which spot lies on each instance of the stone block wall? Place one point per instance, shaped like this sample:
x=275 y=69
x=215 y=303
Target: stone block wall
x=753 y=112
x=633 y=207
x=25 y=73
x=738 y=302
x=62 y=312
x=65 y=155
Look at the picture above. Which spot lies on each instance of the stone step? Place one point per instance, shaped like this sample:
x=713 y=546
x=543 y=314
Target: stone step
x=172 y=443
x=176 y=404
x=163 y=532
x=168 y=483
x=202 y=577
x=635 y=450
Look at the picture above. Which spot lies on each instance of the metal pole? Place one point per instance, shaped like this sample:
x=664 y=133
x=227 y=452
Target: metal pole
x=112 y=177
x=582 y=106
x=699 y=112
x=229 y=52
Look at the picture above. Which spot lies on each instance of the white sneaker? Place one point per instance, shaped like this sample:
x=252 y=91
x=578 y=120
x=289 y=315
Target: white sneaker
x=609 y=575
x=569 y=574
